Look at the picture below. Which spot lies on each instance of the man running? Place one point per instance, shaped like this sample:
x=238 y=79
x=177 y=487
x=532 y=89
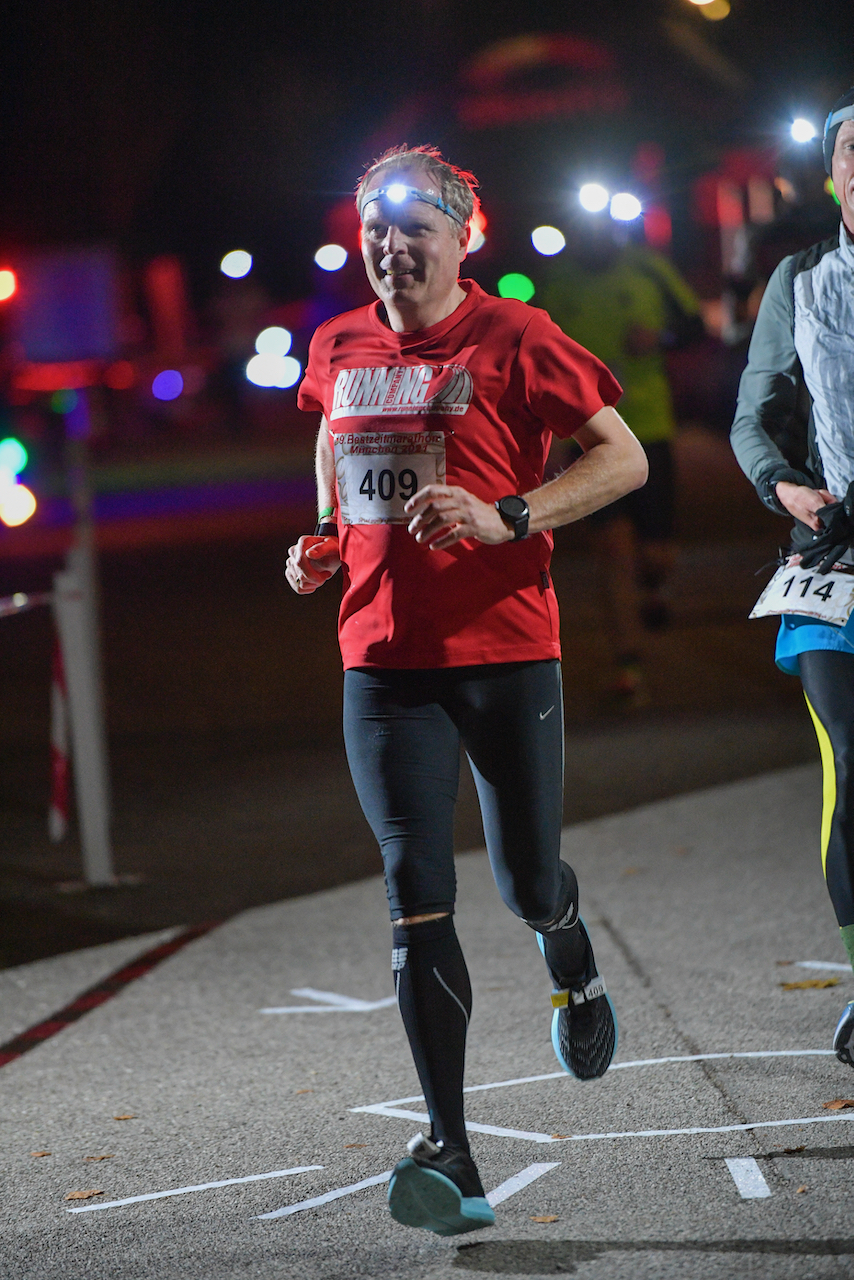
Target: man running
x=793 y=436
x=438 y=406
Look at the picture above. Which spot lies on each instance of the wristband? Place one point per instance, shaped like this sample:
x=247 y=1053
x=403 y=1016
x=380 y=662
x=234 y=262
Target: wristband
x=327 y=511
x=325 y=529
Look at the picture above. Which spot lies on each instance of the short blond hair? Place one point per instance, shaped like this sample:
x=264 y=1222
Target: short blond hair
x=455 y=186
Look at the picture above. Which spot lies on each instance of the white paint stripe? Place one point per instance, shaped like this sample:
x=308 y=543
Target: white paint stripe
x=518 y=1182
x=723 y=1128
x=379 y=1107
x=747 y=1176
x=330 y=1195
x=203 y=1186
x=397 y=1113
x=823 y=964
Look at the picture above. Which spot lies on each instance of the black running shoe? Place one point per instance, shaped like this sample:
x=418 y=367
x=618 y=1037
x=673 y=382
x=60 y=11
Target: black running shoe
x=584 y=1025
x=843 y=1037
x=438 y=1188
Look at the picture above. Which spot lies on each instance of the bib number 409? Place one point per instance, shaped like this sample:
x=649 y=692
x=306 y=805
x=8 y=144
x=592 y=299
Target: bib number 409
x=385 y=484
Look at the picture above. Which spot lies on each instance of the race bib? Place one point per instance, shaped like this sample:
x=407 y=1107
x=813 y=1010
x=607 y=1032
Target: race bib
x=827 y=597
x=379 y=471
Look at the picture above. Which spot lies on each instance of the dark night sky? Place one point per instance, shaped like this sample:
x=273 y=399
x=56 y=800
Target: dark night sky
x=169 y=125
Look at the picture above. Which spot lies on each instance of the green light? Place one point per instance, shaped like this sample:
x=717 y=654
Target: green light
x=829 y=188
x=515 y=285
x=13 y=455
x=63 y=401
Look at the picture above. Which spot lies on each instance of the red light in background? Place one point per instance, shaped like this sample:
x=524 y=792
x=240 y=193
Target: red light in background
x=120 y=376
x=8 y=284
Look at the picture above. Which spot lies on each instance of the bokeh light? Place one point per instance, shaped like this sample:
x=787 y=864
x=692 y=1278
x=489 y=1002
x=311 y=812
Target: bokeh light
x=168 y=385
x=64 y=401
x=331 y=257
x=17 y=504
x=120 y=375
x=8 y=284
x=270 y=370
x=477 y=227
x=548 y=240
x=516 y=285
x=593 y=197
x=236 y=264
x=803 y=130
x=625 y=207
x=831 y=190
x=13 y=455
x=715 y=10
x=274 y=341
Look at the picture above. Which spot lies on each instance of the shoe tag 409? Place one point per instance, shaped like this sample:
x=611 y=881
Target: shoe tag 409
x=827 y=597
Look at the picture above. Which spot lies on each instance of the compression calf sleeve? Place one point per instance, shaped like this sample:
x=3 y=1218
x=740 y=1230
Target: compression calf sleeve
x=434 y=995
x=565 y=947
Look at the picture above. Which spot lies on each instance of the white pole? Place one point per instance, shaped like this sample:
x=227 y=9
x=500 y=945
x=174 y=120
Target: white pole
x=89 y=754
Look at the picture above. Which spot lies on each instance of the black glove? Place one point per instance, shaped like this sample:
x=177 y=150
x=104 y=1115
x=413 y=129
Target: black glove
x=836 y=537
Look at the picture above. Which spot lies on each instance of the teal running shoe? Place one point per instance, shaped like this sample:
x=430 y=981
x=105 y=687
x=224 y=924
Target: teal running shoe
x=438 y=1188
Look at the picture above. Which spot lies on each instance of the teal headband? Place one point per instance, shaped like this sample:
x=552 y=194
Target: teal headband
x=397 y=193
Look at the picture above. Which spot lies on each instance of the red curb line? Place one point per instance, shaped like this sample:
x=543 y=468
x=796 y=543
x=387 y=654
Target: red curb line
x=98 y=994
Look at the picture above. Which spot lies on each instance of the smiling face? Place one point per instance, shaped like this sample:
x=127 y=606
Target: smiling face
x=412 y=254
x=842 y=169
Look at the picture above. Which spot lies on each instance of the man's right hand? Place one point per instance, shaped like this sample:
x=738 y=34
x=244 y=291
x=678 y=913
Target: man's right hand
x=311 y=563
x=804 y=503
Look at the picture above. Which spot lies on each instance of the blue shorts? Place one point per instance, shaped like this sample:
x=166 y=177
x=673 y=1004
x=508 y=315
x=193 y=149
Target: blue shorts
x=799 y=634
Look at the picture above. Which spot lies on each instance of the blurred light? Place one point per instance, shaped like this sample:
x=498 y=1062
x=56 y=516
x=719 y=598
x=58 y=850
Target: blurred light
x=274 y=341
x=8 y=284
x=699 y=3
x=803 y=130
x=236 y=264
x=331 y=257
x=269 y=370
x=396 y=193
x=715 y=10
x=548 y=240
x=831 y=190
x=592 y=197
x=17 y=504
x=13 y=456
x=625 y=207
x=120 y=376
x=63 y=401
x=477 y=227
x=515 y=285
x=168 y=385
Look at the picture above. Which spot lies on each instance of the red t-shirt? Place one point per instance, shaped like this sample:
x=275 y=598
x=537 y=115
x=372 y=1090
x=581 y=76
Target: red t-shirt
x=476 y=396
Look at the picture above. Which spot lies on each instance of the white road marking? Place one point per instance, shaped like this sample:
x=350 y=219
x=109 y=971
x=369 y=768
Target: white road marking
x=502 y=1192
x=747 y=1176
x=330 y=1195
x=203 y=1186
x=518 y=1182
x=823 y=964
x=397 y=1113
x=331 y=1002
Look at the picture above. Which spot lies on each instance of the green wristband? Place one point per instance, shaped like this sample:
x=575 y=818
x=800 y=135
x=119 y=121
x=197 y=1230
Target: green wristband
x=327 y=511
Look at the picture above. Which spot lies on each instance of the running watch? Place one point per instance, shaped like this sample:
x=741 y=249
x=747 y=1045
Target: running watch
x=514 y=511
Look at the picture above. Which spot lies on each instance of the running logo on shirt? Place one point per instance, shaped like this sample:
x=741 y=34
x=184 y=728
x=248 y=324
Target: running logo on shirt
x=402 y=390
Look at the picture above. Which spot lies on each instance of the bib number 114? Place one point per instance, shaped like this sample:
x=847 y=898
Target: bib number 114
x=826 y=597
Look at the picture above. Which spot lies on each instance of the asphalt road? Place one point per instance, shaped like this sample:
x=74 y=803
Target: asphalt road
x=700 y=908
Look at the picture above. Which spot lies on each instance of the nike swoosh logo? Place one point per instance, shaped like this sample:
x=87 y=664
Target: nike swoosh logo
x=543 y=714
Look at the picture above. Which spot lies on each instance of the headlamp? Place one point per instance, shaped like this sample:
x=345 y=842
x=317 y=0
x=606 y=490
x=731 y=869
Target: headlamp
x=397 y=193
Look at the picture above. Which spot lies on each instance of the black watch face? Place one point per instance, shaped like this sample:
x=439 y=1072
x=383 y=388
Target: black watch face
x=514 y=507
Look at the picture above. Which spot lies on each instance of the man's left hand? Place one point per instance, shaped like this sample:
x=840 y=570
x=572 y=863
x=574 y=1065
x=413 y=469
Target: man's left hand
x=444 y=514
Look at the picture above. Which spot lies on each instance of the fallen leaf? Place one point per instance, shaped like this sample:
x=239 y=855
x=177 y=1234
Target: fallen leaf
x=682 y=849
x=815 y=984
x=838 y=1104
x=350 y=1145
x=800 y=1190
x=127 y=1116
x=793 y=1151
x=92 y=1159
x=82 y=1195
x=305 y=1091
x=558 y=1135
x=783 y=962
x=37 y=1154
x=632 y=871
x=544 y=1217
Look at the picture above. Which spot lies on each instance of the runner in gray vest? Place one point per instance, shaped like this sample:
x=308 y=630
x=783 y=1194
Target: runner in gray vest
x=793 y=437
